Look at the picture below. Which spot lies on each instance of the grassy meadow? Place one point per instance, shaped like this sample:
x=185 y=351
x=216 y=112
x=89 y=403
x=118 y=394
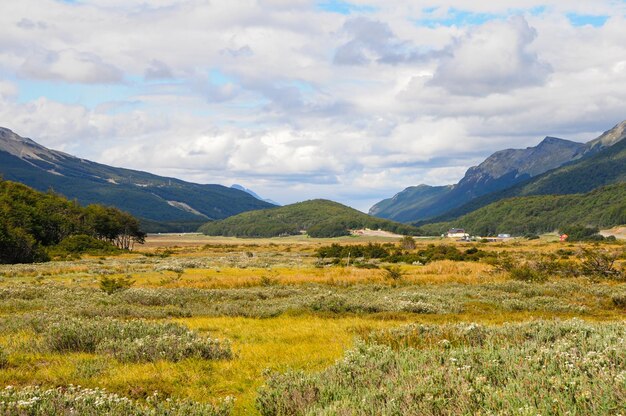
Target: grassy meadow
x=208 y=325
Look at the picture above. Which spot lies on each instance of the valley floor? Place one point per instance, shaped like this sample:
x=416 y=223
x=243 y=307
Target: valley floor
x=270 y=324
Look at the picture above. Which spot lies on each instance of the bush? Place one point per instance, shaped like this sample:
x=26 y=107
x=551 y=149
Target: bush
x=527 y=273
x=582 y=233
x=393 y=272
x=4 y=359
x=82 y=244
x=63 y=401
x=110 y=285
x=133 y=341
x=600 y=263
x=407 y=242
x=619 y=300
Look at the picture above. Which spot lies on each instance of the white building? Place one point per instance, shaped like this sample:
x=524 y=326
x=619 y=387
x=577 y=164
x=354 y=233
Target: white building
x=457 y=233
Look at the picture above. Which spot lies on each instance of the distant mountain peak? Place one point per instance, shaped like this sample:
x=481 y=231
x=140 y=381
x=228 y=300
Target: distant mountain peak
x=610 y=137
x=254 y=194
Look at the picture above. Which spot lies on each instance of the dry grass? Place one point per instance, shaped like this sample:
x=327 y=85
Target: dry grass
x=289 y=341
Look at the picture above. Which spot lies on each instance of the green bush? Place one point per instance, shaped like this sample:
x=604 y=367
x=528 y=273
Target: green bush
x=82 y=244
x=110 y=285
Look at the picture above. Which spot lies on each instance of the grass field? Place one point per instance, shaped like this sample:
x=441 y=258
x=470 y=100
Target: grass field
x=269 y=324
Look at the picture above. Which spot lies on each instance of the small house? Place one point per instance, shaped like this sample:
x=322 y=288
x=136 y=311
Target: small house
x=457 y=233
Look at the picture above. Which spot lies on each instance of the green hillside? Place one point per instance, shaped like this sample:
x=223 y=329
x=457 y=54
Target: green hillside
x=319 y=218
x=161 y=203
x=422 y=201
x=603 y=207
x=604 y=168
x=31 y=222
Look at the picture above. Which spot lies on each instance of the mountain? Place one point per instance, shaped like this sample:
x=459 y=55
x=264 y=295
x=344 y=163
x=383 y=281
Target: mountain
x=254 y=194
x=318 y=218
x=161 y=203
x=602 y=207
x=499 y=172
x=602 y=166
x=416 y=201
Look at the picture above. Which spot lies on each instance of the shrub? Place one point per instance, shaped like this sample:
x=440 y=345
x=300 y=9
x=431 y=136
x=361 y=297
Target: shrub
x=131 y=341
x=619 y=300
x=393 y=272
x=527 y=273
x=600 y=263
x=407 y=242
x=80 y=244
x=62 y=401
x=165 y=347
x=4 y=359
x=582 y=233
x=110 y=285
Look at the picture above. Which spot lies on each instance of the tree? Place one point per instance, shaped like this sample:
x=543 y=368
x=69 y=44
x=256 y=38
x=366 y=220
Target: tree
x=114 y=226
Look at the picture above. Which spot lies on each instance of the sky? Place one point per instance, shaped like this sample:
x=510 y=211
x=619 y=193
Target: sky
x=300 y=99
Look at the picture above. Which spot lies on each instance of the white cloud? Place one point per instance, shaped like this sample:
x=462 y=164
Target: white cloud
x=295 y=102
x=494 y=58
x=70 y=65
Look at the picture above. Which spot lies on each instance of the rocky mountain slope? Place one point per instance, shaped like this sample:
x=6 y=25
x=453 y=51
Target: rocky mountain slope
x=163 y=204
x=500 y=171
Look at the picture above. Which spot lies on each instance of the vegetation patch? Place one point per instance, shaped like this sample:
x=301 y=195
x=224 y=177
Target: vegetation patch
x=72 y=400
x=131 y=341
x=544 y=367
x=318 y=218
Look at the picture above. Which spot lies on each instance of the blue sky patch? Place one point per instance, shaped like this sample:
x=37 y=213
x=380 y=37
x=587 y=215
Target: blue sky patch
x=455 y=17
x=343 y=7
x=585 y=19
x=88 y=95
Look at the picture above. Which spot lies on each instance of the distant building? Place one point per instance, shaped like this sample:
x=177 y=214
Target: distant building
x=457 y=233
x=504 y=235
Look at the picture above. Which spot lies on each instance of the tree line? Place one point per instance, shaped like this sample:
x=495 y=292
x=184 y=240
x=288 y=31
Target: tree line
x=32 y=222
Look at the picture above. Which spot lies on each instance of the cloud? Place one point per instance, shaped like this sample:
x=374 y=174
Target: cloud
x=494 y=58
x=70 y=65
x=373 y=40
x=296 y=102
x=8 y=90
x=158 y=70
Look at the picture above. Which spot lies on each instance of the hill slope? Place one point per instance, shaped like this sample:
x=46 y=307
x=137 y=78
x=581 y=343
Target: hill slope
x=607 y=166
x=319 y=218
x=163 y=204
x=501 y=170
x=603 y=207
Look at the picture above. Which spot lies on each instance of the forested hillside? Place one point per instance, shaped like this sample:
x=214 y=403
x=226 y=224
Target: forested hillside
x=604 y=207
x=318 y=218
x=31 y=222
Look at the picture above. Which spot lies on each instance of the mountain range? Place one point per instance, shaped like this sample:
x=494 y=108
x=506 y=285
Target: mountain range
x=162 y=204
x=554 y=166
